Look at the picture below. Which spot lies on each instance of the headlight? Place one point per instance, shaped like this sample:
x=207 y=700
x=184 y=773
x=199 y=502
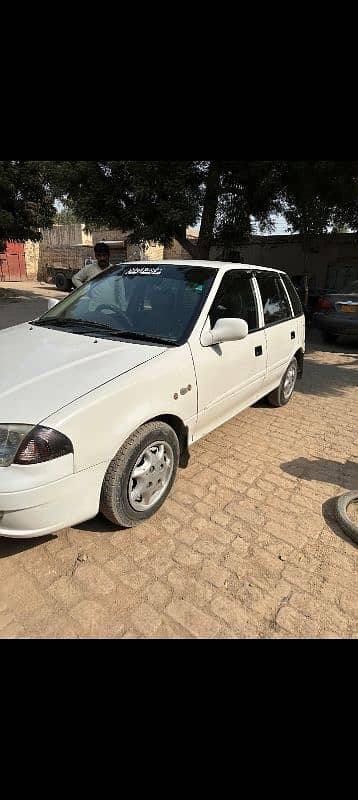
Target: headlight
x=11 y=437
x=24 y=444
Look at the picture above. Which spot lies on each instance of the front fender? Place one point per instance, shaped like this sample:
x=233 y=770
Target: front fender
x=101 y=421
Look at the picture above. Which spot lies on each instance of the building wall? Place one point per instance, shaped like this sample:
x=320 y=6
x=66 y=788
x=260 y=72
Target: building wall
x=32 y=254
x=66 y=246
x=105 y=235
x=287 y=253
x=62 y=235
x=175 y=251
x=324 y=254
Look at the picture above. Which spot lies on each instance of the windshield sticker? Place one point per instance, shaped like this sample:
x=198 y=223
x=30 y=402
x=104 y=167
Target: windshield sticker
x=143 y=271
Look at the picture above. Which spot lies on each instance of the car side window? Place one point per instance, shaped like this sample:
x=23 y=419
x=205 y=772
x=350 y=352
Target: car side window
x=292 y=293
x=235 y=298
x=274 y=299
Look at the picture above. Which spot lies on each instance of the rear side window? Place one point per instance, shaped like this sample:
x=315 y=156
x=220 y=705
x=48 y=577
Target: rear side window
x=274 y=299
x=295 y=300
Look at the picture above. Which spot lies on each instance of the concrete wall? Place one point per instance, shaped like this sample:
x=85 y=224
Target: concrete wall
x=105 y=235
x=286 y=252
x=324 y=254
x=32 y=253
x=57 y=249
x=62 y=235
x=176 y=251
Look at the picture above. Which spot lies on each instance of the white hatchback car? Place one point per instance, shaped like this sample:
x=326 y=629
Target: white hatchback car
x=101 y=397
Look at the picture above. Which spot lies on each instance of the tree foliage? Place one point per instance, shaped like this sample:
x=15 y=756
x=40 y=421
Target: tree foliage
x=159 y=200
x=66 y=216
x=318 y=195
x=26 y=200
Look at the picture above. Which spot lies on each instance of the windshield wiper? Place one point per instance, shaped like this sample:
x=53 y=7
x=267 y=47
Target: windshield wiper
x=146 y=337
x=62 y=322
x=68 y=321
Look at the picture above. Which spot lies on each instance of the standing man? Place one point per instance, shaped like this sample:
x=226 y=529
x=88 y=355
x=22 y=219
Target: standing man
x=103 y=294
x=101 y=251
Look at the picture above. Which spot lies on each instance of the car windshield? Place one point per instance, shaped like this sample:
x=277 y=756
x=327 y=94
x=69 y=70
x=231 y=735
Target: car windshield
x=158 y=302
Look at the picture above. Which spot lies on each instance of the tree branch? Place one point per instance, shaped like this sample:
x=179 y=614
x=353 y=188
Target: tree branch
x=209 y=209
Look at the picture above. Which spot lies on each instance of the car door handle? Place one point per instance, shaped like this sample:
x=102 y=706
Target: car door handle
x=258 y=350
x=293 y=335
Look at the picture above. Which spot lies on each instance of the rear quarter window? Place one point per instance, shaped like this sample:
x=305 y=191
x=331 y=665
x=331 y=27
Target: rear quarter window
x=295 y=300
x=275 y=302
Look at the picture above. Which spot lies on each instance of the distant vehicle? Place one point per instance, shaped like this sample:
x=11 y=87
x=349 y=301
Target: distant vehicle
x=62 y=276
x=337 y=313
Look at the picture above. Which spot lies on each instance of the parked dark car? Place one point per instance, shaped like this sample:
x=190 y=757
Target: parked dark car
x=337 y=313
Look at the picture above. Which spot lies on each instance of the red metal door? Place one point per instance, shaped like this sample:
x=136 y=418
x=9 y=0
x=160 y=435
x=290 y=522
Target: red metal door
x=12 y=263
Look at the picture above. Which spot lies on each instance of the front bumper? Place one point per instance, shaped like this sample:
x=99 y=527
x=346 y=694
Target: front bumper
x=337 y=323
x=39 y=510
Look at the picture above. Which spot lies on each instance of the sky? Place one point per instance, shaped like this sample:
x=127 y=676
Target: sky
x=280 y=227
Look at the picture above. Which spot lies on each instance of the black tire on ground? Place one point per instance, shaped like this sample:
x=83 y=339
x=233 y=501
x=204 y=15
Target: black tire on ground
x=277 y=398
x=114 y=502
x=342 y=517
x=330 y=337
x=63 y=283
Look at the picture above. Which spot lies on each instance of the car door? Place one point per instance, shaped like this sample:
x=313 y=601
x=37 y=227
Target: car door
x=230 y=375
x=281 y=329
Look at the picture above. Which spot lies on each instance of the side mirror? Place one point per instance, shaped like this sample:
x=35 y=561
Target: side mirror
x=225 y=330
x=51 y=303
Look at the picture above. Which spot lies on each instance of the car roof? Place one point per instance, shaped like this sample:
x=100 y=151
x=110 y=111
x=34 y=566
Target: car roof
x=221 y=265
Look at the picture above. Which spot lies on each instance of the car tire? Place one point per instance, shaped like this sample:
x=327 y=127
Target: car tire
x=342 y=517
x=63 y=283
x=281 y=396
x=331 y=338
x=121 y=500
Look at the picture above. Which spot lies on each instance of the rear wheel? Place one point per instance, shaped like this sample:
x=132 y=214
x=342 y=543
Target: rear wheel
x=141 y=475
x=283 y=393
x=63 y=283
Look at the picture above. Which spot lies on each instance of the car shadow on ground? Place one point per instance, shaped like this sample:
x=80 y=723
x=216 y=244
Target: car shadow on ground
x=10 y=547
x=324 y=378
x=327 y=471
x=98 y=524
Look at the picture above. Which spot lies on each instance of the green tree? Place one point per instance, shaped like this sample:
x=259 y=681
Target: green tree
x=317 y=195
x=159 y=200
x=66 y=216
x=26 y=200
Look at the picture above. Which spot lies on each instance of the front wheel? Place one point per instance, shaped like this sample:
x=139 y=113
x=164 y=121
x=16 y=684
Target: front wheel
x=283 y=393
x=141 y=475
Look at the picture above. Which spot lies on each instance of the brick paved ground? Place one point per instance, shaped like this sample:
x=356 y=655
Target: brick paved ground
x=246 y=545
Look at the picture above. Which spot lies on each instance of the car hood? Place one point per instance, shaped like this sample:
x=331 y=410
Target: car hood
x=42 y=370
